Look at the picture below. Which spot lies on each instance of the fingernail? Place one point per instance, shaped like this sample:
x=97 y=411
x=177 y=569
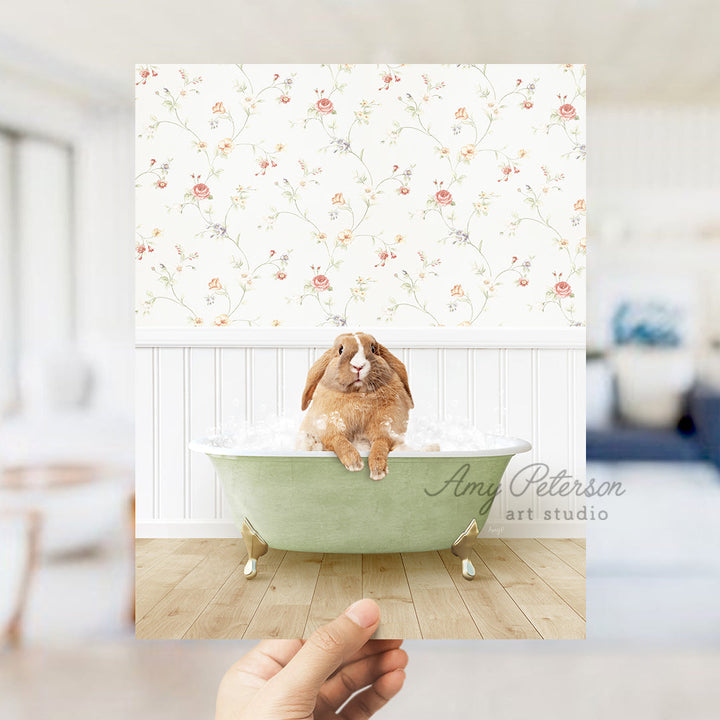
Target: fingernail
x=364 y=613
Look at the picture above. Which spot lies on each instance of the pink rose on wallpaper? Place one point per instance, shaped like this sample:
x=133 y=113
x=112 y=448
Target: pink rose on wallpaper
x=284 y=99
x=225 y=146
x=562 y=289
x=403 y=189
x=280 y=275
x=222 y=320
x=201 y=191
x=457 y=291
x=144 y=74
x=461 y=114
x=443 y=197
x=218 y=107
x=215 y=284
x=580 y=206
x=324 y=106
x=338 y=199
x=527 y=104
x=321 y=282
x=161 y=184
x=522 y=282
x=567 y=111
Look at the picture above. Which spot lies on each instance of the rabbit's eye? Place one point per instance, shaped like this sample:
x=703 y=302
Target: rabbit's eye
x=372 y=348
x=340 y=350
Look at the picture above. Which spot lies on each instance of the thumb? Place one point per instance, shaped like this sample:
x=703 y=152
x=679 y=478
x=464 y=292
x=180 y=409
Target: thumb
x=327 y=648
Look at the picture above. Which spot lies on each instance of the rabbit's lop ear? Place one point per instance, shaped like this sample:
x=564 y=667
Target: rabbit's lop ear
x=397 y=366
x=315 y=375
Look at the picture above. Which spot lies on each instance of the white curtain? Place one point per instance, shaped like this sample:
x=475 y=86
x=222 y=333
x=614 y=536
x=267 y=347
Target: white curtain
x=8 y=345
x=37 y=274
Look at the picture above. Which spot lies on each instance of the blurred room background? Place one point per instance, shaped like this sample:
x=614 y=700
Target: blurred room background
x=66 y=339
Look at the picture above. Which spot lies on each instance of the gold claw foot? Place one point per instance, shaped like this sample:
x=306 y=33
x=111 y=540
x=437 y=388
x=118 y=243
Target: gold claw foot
x=250 y=570
x=463 y=548
x=256 y=547
x=468 y=569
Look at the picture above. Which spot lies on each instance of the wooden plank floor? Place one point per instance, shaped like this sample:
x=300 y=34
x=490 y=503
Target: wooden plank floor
x=522 y=589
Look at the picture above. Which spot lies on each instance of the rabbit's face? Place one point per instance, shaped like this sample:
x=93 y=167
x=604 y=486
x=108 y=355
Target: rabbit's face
x=357 y=365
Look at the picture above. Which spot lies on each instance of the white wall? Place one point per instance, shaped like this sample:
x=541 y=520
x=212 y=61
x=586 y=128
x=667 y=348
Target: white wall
x=506 y=380
x=8 y=386
x=104 y=259
x=654 y=195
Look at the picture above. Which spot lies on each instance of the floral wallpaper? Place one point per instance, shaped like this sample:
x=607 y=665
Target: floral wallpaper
x=309 y=195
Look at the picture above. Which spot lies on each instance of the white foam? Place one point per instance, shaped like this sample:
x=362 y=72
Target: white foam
x=277 y=434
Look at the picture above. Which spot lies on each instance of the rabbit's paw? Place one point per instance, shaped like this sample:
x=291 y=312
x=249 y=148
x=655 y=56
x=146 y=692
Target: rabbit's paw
x=378 y=467
x=352 y=461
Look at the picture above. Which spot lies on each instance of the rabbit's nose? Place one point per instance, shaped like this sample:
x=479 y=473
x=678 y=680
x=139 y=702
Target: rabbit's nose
x=355 y=367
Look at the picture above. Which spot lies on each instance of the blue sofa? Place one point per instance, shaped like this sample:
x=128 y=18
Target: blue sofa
x=697 y=437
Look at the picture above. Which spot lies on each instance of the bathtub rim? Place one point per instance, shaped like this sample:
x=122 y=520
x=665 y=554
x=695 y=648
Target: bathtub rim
x=513 y=446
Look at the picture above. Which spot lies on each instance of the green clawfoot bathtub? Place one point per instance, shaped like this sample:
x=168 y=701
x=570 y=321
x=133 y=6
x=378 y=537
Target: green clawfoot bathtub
x=307 y=501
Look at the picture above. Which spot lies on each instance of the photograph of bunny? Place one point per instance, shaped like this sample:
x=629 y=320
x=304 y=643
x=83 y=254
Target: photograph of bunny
x=360 y=307
x=358 y=396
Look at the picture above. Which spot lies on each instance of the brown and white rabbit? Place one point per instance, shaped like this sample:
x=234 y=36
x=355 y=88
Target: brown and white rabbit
x=360 y=394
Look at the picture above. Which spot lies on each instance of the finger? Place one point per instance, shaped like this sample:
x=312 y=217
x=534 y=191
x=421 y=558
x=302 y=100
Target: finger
x=266 y=659
x=274 y=655
x=374 y=647
x=358 y=675
x=280 y=651
x=369 y=701
x=249 y=674
x=328 y=648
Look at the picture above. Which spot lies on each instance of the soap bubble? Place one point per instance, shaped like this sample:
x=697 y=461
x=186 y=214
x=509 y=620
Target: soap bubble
x=280 y=433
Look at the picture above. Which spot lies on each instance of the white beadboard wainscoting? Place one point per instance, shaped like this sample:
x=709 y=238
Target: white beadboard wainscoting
x=529 y=383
